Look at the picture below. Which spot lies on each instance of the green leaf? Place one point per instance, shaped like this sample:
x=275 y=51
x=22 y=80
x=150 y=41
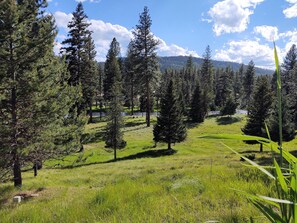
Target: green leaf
x=280 y=177
x=252 y=163
x=280 y=201
x=277 y=67
x=268 y=212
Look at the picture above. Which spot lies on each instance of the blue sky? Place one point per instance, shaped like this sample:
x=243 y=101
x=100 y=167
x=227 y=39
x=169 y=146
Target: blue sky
x=236 y=30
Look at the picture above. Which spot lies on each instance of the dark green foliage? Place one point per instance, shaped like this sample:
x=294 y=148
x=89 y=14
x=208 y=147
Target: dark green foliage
x=113 y=134
x=248 y=84
x=34 y=96
x=224 y=88
x=196 y=113
x=109 y=67
x=259 y=109
x=169 y=127
x=129 y=78
x=146 y=57
x=287 y=122
x=237 y=85
x=229 y=108
x=207 y=79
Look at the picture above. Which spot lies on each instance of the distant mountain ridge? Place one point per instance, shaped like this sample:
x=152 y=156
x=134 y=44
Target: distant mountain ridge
x=178 y=62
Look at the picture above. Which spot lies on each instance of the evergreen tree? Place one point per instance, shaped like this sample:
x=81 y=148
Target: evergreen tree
x=109 y=72
x=113 y=134
x=34 y=98
x=89 y=71
x=147 y=63
x=229 y=107
x=288 y=122
x=207 y=79
x=78 y=48
x=248 y=84
x=169 y=127
x=224 y=87
x=259 y=109
x=196 y=113
x=130 y=76
x=237 y=85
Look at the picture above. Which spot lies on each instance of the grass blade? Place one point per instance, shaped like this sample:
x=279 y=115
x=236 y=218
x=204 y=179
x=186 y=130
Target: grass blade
x=280 y=177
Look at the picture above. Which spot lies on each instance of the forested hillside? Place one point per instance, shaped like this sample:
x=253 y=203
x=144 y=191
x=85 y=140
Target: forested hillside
x=178 y=62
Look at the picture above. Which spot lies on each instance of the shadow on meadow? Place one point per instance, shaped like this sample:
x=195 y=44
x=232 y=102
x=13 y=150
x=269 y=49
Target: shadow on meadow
x=226 y=120
x=146 y=154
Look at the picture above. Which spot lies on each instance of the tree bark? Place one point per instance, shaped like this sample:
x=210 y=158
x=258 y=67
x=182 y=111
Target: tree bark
x=148 y=105
x=17 y=174
x=169 y=146
x=90 y=113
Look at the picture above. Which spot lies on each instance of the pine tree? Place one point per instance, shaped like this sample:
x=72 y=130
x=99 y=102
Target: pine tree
x=147 y=63
x=207 y=79
x=34 y=98
x=112 y=54
x=113 y=134
x=237 y=85
x=224 y=87
x=248 y=84
x=229 y=108
x=130 y=76
x=259 y=109
x=287 y=124
x=196 y=113
x=290 y=61
x=169 y=127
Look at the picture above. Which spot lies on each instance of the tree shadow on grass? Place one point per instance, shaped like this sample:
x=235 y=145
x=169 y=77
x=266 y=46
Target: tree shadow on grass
x=147 y=154
x=93 y=137
x=191 y=125
x=226 y=120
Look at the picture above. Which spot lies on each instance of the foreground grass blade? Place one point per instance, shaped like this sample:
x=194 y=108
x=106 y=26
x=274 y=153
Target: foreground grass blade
x=251 y=162
x=280 y=177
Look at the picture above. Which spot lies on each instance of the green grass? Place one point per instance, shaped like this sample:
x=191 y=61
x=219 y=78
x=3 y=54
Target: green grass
x=193 y=185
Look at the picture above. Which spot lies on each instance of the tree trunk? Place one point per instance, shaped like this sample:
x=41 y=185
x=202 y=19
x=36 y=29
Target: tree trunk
x=261 y=147
x=17 y=174
x=148 y=106
x=132 y=101
x=169 y=146
x=90 y=113
x=115 y=153
x=35 y=167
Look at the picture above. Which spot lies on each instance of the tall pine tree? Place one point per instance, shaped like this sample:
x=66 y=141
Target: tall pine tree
x=170 y=127
x=248 y=84
x=34 y=98
x=147 y=63
x=196 y=113
x=259 y=109
x=113 y=134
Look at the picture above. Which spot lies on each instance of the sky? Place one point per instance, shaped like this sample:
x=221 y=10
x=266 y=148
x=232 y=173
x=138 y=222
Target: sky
x=235 y=30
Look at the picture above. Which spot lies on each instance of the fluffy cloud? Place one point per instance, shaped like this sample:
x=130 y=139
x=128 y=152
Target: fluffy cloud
x=103 y=33
x=291 y=12
x=270 y=33
x=173 y=50
x=230 y=16
x=245 y=50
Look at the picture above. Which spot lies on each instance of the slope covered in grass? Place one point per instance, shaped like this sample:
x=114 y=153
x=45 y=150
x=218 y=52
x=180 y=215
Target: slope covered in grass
x=195 y=184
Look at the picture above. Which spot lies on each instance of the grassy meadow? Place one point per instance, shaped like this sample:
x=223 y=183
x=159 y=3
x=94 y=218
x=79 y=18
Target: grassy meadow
x=146 y=184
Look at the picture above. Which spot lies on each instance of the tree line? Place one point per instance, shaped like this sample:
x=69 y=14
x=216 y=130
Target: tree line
x=46 y=100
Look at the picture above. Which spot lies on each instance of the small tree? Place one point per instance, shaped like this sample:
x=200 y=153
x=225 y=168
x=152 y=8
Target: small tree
x=229 y=108
x=259 y=110
x=113 y=134
x=196 y=113
x=169 y=127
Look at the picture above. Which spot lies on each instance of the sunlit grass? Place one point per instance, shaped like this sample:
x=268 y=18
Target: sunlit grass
x=193 y=185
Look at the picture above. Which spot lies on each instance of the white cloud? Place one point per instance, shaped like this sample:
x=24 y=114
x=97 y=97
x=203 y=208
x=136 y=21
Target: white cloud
x=270 y=33
x=62 y=19
x=291 y=12
x=104 y=32
x=230 y=16
x=173 y=50
x=245 y=50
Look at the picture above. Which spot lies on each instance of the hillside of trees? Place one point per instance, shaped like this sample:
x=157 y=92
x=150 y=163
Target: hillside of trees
x=178 y=62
